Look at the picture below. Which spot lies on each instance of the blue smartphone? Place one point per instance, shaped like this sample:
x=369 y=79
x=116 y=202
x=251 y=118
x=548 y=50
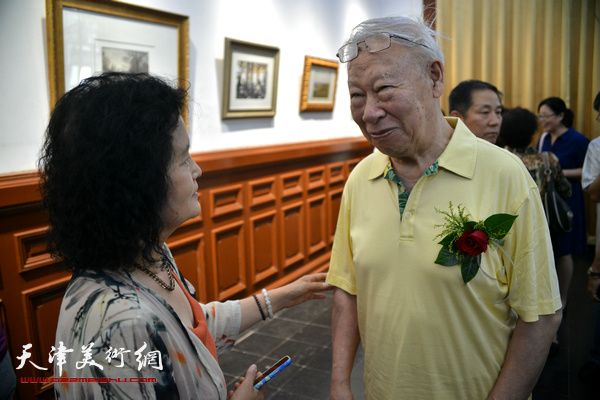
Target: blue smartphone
x=272 y=371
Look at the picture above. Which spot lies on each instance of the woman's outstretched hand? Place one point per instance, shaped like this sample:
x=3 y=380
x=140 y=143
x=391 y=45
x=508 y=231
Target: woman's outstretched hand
x=302 y=289
x=244 y=389
x=305 y=288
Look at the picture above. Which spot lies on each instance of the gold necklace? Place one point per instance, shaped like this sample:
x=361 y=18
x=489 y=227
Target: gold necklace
x=162 y=283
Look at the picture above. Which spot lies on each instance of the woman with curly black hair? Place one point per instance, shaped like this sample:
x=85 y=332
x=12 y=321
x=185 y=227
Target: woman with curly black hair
x=117 y=180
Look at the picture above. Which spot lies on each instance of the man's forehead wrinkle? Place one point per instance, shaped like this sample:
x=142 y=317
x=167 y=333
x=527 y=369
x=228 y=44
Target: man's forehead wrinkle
x=389 y=74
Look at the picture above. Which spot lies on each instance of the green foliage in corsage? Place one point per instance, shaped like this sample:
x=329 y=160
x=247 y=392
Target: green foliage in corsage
x=464 y=240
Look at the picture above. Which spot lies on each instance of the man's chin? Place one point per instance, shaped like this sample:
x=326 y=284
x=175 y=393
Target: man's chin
x=490 y=137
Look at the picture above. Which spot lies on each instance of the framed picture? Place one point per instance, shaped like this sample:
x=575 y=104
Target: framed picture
x=319 y=82
x=87 y=38
x=249 y=80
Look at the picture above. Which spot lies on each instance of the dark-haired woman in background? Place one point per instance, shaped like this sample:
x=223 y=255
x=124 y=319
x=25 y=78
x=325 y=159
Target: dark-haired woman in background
x=518 y=127
x=117 y=180
x=570 y=147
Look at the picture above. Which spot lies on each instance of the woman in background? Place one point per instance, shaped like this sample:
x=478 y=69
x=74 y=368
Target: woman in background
x=117 y=180
x=570 y=147
x=518 y=127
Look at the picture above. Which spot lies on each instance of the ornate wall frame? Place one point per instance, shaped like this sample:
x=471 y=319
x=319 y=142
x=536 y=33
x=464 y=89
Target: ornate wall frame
x=249 y=80
x=116 y=19
x=319 y=84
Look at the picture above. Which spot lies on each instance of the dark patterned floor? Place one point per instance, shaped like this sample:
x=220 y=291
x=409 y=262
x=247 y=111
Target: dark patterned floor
x=304 y=333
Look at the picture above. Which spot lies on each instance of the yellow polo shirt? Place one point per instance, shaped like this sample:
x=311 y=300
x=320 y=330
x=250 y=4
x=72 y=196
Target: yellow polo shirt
x=426 y=334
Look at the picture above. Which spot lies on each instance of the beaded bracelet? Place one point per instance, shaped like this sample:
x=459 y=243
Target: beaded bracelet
x=262 y=313
x=268 y=301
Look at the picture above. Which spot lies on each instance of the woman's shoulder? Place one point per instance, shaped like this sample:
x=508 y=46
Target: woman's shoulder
x=100 y=301
x=108 y=291
x=576 y=135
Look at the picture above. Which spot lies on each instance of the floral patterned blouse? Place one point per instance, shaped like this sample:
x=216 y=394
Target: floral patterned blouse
x=534 y=162
x=117 y=339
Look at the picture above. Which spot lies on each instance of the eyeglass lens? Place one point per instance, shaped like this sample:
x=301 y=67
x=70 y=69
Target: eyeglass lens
x=377 y=42
x=373 y=44
x=543 y=117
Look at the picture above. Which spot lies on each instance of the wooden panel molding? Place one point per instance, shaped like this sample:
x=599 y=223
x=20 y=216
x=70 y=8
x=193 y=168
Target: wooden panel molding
x=262 y=192
x=263 y=252
x=189 y=254
x=292 y=234
x=268 y=217
x=316 y=225
x=32 y=250
x=226 y=200
x=291 y=185
x=333 y=209
x=336 y=174
x=228 y=264
x=316 y=178
x=42 y=307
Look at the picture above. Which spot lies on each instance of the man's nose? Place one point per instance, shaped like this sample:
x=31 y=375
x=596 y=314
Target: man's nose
x=373 y=110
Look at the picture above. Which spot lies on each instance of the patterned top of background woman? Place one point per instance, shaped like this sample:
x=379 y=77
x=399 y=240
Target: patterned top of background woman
x=570 y=147
x=516 y=133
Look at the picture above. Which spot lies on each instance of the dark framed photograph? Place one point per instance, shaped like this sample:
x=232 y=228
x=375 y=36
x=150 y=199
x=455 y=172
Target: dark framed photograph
x=319 y=83
x=86 y=38
x=249 y=80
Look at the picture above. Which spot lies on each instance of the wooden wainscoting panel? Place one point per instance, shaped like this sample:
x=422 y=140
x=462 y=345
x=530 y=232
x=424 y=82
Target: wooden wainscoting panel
x=315 y=178
x=228 y=263
x=292 y=234
x=18 y=189
x=316 y=228
x=226 y=200
x=333 y=210
x=189 y=255
x=291 y=185
x=262 y=192
x=42 y=307
x=32 y=249
x=335 y=173
x=262 y=251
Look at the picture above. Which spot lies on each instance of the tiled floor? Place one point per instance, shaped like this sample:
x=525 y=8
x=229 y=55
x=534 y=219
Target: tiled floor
x=304 y=333
x=559 y=379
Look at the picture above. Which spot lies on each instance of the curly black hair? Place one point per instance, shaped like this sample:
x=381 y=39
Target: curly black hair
x=103 y=169
x=517 y=129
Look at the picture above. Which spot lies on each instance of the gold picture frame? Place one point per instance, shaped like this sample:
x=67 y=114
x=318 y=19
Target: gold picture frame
x=250 y=74
x=319 y=84
x=80 y=32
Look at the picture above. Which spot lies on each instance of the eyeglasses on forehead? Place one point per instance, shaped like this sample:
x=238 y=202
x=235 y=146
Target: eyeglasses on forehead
x=373 y=43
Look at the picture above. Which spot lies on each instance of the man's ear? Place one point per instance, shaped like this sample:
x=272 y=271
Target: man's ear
x=436 y=74
x=455 y=113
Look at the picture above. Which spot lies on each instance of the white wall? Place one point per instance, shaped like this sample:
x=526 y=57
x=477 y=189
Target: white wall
x=298 y=27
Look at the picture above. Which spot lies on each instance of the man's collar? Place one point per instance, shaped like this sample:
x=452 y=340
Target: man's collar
x=458 y=157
